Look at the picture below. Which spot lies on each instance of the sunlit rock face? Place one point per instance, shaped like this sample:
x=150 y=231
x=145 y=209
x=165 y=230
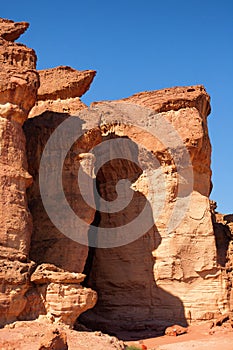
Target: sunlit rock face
x=167 y=265
x=18 y=87
x=63 y=298
x=22 y=295
x=60 y=90
x=164 y=276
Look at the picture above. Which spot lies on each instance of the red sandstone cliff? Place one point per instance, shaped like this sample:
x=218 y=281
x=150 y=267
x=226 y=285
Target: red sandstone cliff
x=22 y=294
x=161 y=277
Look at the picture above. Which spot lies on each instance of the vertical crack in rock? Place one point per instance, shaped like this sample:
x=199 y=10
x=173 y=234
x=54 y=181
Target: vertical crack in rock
x=93 y=231
x=223 y=228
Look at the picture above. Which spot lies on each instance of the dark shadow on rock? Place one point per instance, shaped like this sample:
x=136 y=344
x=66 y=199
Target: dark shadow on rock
x=128 y=297
x=129 y=301
x=222 y=240
x=48 y=244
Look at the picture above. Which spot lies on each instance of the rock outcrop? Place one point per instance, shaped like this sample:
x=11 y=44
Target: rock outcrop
x=170 y=271
x=64 y=299
x=163 y=277
x=38 y=335
x=57 y=100
x=18 y=87
x=60 y=90
x=172 y=266
x=10 y=30
x=23 y=295
x=56 y=296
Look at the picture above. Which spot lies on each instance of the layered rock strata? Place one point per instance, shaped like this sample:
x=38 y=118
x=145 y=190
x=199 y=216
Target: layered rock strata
x=18 y=87
x=163 y=277
x=23 y=295
x=58 y=99
x=63 y=298
x=170 y=271
x=60 y=90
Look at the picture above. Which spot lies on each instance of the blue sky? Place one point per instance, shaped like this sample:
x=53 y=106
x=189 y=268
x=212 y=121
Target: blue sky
x=144 y=45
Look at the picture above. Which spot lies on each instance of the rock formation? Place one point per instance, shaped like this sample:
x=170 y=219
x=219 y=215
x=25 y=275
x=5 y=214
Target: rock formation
x=19 y=79
x=223 y=228
x=38 y=335
x=19 y=291
x=60 y=90
x=170 y=273
x=56 y=102
x=162 y=277
x=64 y=299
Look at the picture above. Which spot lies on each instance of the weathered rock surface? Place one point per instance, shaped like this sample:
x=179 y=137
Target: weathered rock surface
x=62 y=298
x=173 y=99
x=38 y=335
x=32 y=336
x=10 y=30
x=58 y=98
x=60 y=90
x=70 y=105
x=56 y=296
x=48 y=243
x=46 y=273
x=18 y=78
x=64 y=302
x=159 y=283
x=63 y=82
x=48 y=291
x=14 y=282
x=162 y=277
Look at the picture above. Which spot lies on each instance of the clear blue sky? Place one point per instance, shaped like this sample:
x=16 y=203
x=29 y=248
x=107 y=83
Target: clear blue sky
x=143 y=45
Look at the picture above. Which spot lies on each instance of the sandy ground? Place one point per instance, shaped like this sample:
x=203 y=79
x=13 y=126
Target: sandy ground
x=199 y=337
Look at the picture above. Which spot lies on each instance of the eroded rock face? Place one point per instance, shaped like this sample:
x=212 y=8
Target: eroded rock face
x=18 y=86
x=48 y=243
x=63 y=298
x=63 y=82
x=158 y=278
x=60 y=90
x=19 y=79
x=58 y=98
x=38 y=335
x=168 y=270
x=58 y=294
x=146 y=283
x=34 y=336
x=10 y=30
x=14 y=281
